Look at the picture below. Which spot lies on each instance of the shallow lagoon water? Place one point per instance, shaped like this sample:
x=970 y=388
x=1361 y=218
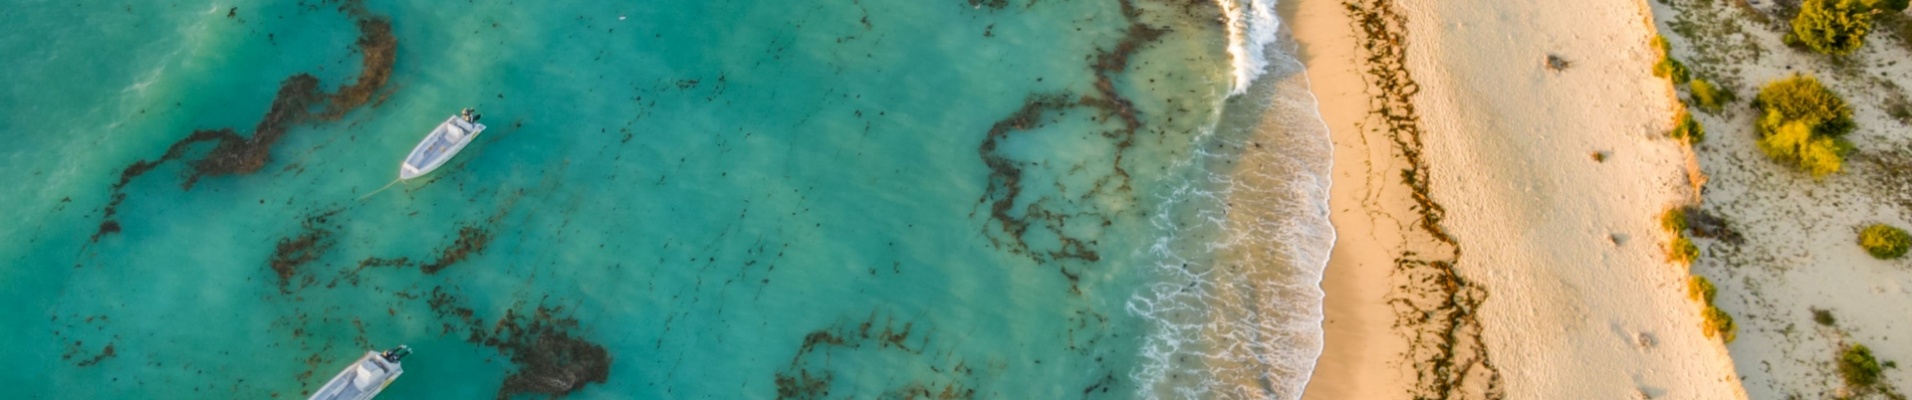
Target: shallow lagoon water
x=679 y=199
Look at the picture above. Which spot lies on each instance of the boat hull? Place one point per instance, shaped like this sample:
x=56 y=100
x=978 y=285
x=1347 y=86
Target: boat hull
x=440 y=146
x=363 y=380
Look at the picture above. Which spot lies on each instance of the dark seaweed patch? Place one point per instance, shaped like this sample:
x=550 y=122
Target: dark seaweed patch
x=299 y=100
x=1005 y=183
x=378 y=50
x=553 y=362
x=810 y=373
x=470 y=239
x=550 y=360
x=294 y=252
x=992 y=4
x=1436 y=308
x=1005 y=175
x=104 y=354
x=75 y=348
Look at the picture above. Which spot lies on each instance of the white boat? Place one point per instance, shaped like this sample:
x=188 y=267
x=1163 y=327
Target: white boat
x=441 y=145
x=366 y=377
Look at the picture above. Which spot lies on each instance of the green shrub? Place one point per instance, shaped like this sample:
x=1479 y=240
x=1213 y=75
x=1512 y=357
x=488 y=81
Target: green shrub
x=1686 y=129
x=1858 y=367
x=1714 y=321
x=1682 y=250
x=1700 y=289
x=1802 y=124
x=1885 y=242
x=1794 y=144
x=1836 y=27
x=1710 y=97
x=1804 y=98
x=1668 y=67
x=1823 y=317
x=1719 y=323
x=1674 y=220
x=1671 y=69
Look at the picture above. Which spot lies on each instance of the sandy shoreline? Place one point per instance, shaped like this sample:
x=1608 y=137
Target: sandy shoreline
x=1361 y=352
x=1580 y=301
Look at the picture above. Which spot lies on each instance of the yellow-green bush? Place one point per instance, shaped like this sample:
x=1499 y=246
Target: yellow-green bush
x=1682 y=250
x=1794 y=144
x=1719 y=323
x=1714 y=321
x=1859 y=368
x=1710 y=97
x=1804 y=98
x=1668 y=67
x=1671 y=69
x=1836 y=27
x=1674 y=220
x=1701 y=289
x=1685 y=128
x=1802 y=123
x=1885 y=242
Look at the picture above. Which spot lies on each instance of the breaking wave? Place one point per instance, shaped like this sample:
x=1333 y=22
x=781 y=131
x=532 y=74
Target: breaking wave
x=1242 y=244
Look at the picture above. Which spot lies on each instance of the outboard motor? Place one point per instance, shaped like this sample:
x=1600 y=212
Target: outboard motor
x=396 y=354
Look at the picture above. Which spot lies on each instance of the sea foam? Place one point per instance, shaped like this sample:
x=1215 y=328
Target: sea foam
x=1252 y=25
x=1242 y=244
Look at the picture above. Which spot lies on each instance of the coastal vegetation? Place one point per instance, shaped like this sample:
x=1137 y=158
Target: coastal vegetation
x=1710 y=96
x=1864 y=374
x=1859 y=368
x=1680 y=249
x=1699 y=288
x=1835 y=27
x=1685 y=128
x=1669 y=67
x=1714 y=321
x=1885 y=242
x=1802 y=125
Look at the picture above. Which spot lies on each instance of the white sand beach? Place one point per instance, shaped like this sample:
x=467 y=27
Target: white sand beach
x=1580 y=299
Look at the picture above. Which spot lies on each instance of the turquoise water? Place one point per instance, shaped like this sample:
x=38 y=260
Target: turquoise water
x=675 y=199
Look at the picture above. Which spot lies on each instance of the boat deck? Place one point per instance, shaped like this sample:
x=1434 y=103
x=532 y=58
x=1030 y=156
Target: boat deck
x=446 y=138
x=364 y=379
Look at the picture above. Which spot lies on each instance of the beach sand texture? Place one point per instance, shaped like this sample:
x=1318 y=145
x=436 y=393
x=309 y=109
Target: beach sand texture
x=1576 y=298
